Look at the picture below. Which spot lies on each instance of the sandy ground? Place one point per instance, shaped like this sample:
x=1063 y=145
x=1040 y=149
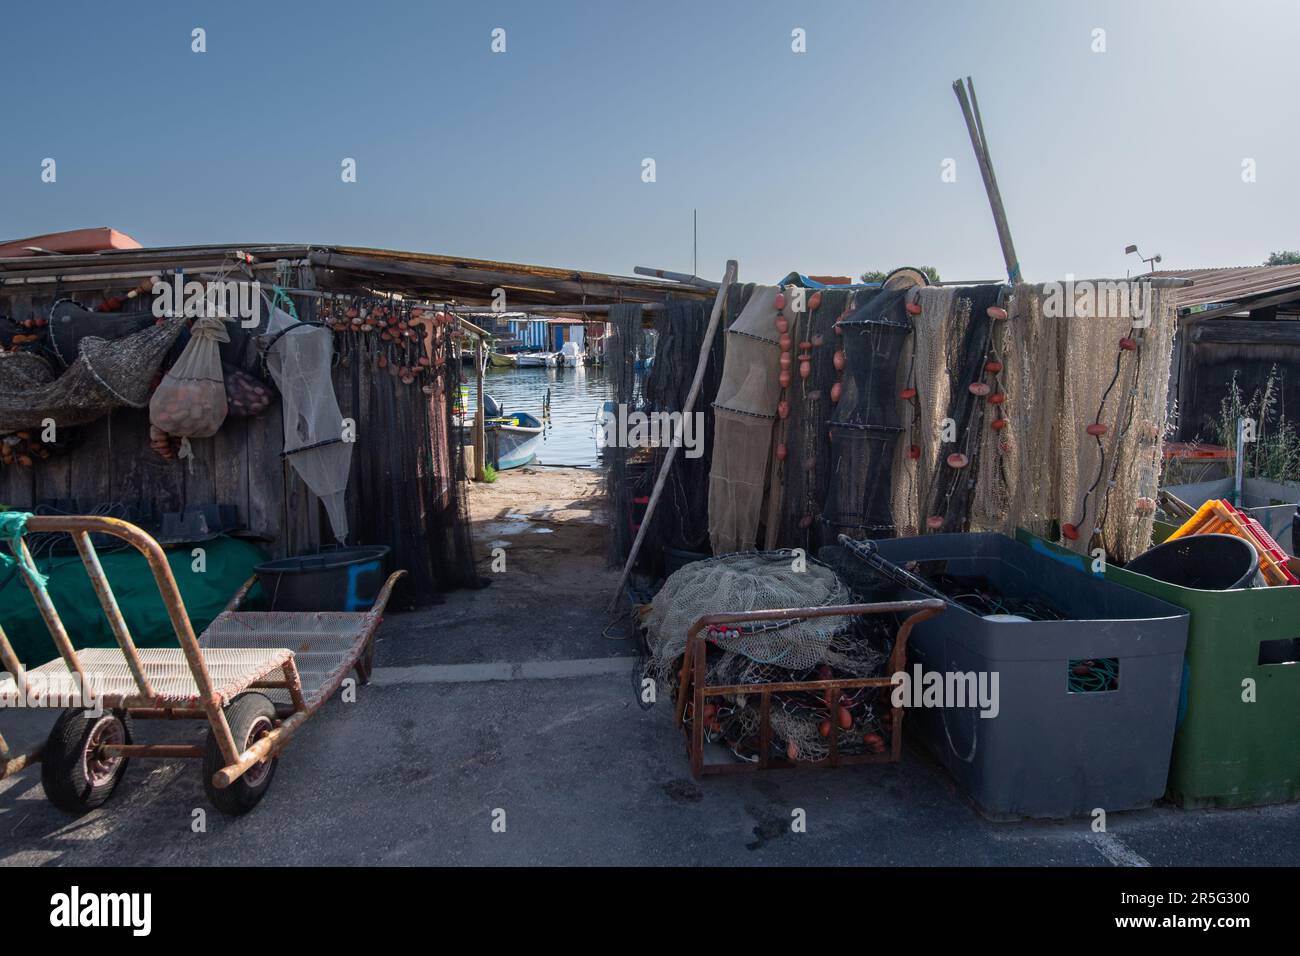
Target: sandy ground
x=509 y=700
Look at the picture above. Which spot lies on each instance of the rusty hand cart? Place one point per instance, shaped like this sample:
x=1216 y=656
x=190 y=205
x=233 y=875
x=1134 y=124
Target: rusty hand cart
x=693 y=688
x=254 y=676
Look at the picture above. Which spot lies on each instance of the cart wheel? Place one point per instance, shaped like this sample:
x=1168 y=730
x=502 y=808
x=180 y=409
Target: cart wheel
x=251 y=716
x=76 y=779
x=366 y=662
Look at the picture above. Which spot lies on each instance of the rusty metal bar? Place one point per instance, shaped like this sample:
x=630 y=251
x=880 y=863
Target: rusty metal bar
x=172 y=601
x=13 y=665
x=49 y=614
x=265 y=748
x=692 y=680
x=293 y=682
x=153 y=751
x=108 y=601
x=238 y=598
x=10 y=765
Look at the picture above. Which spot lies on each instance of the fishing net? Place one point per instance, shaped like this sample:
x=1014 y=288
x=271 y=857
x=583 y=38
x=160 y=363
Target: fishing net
x=409 y=494
x=1063 y=376
x=744 y=409
x=800 y=464
x=299 y=356
x=190 y=401
x=681 y=520
x=106 y=374
x=628 y=479
x=865 y=424
x=771 y=651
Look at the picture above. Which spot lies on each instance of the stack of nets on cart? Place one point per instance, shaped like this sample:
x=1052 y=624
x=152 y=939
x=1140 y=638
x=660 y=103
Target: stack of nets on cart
x=781 y=651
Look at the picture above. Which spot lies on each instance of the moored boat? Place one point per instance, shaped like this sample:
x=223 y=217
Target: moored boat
x=538 y=359
x=502 y=360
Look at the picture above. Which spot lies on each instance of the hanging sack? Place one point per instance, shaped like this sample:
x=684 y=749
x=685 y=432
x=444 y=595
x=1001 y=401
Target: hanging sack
x=190 y=401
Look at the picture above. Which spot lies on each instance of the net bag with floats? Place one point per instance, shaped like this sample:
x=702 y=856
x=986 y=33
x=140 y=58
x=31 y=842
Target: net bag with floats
x=770 y=651
x=744 y=410
x=865 y=426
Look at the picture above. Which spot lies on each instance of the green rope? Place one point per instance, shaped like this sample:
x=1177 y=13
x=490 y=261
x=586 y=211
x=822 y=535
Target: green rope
x=13 y=525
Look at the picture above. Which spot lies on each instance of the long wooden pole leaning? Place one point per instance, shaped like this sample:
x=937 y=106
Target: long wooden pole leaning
x=700 y=366
x=975 y=127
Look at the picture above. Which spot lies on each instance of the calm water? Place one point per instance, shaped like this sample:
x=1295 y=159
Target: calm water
x=576 y=395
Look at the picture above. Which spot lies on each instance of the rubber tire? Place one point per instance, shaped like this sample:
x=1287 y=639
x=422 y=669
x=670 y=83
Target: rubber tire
x=63 y=775
x=243 y=714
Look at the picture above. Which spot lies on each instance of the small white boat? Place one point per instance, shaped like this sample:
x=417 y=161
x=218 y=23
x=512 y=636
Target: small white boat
x=572 y=355
x=537 y=359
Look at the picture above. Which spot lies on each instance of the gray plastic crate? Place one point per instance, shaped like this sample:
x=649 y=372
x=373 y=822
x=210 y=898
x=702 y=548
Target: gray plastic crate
x=1049 y=752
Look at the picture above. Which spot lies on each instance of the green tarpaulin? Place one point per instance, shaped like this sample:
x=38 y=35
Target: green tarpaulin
x=227 y=563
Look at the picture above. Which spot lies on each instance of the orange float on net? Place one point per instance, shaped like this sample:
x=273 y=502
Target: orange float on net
x=838 y=361
x=958 y=460
x=836 y=391
x=993 y=367
x=914 y=452
x=913 y=308
x=785 y=342
x=998 y=424
x=934 y=522
x=1096 y=430
x=781 y=452
x=1128 y=344
x=786 y=360
x=996 y=312
x=814 y=301
x=1070 y=531
x=782 y=324
x=978 y=388
x=805 y=369
x=907 y=394
x=779 y=301
x=997 y=398
x=784 y=378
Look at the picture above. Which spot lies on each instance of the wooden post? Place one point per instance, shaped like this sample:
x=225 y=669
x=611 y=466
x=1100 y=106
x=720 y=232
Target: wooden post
x=480 y=446
x=700 y=366
x=975 y=126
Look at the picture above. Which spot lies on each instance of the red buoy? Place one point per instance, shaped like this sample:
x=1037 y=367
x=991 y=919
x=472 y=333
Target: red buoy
x=978 y=388
x=782 y=324
x=913 y=308
x=998 y=424
x=907 y=394
x=786 y=360
x=836 y=391
x=838 y=361
x=779 y=302
x=934 y=522
x=814 y=301
x=914 y=452
x=997 y=398
x=805 y=369
x=958 y=460
x=993 y=367
x=1070 y=531
x=784 y=377
x=1096 y=429
x=1128 y=344
x=995 y=312
x=781 y=452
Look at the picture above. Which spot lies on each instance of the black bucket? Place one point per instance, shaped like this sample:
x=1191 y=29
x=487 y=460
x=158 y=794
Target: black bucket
x=1206 y=562
x=344 y=579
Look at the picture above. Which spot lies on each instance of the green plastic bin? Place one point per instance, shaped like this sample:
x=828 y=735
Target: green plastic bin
x=1228 y=752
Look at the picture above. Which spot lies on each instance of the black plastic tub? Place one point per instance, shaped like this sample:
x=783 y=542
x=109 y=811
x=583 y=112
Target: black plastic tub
x=344 y=579
x=1206 y=562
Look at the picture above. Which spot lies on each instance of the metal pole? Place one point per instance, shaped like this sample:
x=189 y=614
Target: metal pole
x=700 y=366
x=975 y=126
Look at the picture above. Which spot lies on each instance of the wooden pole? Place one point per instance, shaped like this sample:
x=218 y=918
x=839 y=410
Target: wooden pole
x=975 y=127
x=480 y=446
x=700 y=367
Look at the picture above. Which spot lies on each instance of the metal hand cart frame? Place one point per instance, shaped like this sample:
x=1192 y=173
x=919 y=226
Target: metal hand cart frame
x=693 y=688
x=203 y=679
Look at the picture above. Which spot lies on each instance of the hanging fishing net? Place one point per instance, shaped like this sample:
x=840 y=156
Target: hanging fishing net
x=106 y=374
x=398 y=372
x=628 y=475
x=864 y=425
x=801 y=461
x=771 y=651
x=1085 y=417
x=745 y=408
x=299 y=356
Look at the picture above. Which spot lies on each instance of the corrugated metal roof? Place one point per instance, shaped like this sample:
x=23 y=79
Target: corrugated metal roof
x=1242 y=284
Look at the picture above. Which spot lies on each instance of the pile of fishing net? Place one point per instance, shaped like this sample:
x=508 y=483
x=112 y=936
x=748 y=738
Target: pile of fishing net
x=782 y=651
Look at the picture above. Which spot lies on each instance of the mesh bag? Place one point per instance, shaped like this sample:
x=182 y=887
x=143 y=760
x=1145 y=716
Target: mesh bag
x=190 y=401
x=299 y=357
x=105 y=375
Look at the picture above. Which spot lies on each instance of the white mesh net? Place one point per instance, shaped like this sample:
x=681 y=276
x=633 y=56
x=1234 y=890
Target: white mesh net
x=299 y=359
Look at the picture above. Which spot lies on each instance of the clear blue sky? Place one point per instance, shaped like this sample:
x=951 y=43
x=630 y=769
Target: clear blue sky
x=825 y=162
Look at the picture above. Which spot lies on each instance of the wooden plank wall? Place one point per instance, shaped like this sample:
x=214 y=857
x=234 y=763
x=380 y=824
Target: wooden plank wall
x=112 y=462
